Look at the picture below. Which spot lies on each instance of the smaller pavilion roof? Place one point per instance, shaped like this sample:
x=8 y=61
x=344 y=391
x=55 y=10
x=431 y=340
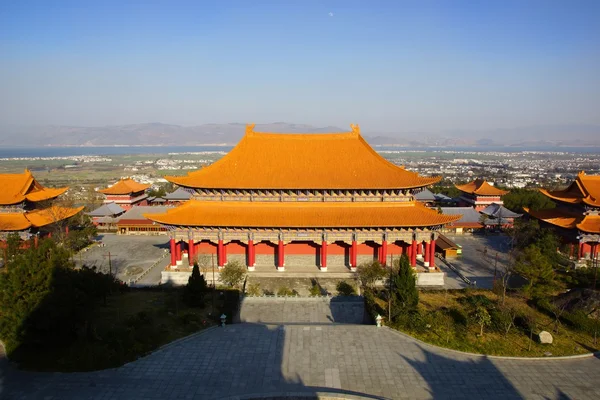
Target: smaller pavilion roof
x=136 y=214
x=567 y=220
x=108 y=209
x=469 y=217
x=445 y=243
x=499 y=211
x=584 y=189
x=481 y=187
x=425 y=195
x=179 y=194
x=154 y=199
x=125 y=186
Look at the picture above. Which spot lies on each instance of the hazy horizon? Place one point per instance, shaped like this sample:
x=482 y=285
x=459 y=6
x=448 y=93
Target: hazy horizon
x=405 y=66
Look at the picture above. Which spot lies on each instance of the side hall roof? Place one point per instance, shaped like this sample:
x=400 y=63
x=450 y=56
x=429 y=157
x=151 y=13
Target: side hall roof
x=16 y=188
x=481 y=187
x=469 y=217
x=584 y=189
x=108 y=209
x=125 y=186
x=499 y=211
x=303 y=161
x=301 y=215
x=566 y=220
x=19 y=221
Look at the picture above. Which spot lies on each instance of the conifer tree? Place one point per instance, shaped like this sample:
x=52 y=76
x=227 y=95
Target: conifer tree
x=404 y=287
x=196 y=288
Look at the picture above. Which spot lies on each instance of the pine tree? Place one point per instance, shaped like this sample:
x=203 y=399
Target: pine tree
x=405 y=295
x=196 y=288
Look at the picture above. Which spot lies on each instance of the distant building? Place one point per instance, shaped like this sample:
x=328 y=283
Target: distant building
x=133 y=222
x=469 y=221
x=126 y=193
x=576 y=217
x=425 y=197
x=181 y=195
x=499 y=216
x=105 y=217
x=479 y=194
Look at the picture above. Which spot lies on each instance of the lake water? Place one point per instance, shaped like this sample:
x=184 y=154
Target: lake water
x=14 y=152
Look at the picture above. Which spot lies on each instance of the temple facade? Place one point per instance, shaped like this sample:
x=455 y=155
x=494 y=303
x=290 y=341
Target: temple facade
x=576 y=217
x=26 y=206
x=126 y=193
x=312 y=200
x=479 y=194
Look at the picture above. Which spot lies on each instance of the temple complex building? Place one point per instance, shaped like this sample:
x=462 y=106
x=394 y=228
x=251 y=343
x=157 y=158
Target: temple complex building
x=576 y=217
x=26 y=206
x=126 y=193
x=302 y=200
x=480 y=194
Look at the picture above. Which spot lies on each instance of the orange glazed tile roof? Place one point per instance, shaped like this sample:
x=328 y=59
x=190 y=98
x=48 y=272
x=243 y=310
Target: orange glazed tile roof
x=125 y=186
x=584 y=189
x=590 y=224
x=36 y=218
x=557 y=217
x=481 y=187
x=303 y=161
x=301 y=214
x=16 y=188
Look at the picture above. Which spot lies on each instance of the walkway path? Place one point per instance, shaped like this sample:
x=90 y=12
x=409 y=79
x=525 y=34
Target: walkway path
x=253 y=359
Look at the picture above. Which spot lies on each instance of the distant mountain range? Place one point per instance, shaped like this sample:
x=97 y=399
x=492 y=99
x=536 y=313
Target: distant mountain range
x=158 y=134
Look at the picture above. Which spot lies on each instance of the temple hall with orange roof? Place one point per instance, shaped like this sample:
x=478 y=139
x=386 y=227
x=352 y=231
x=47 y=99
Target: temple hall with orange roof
x=576 y=217
x=311 y=200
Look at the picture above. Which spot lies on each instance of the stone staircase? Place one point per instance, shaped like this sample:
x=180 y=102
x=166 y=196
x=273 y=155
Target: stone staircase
x=302 y=310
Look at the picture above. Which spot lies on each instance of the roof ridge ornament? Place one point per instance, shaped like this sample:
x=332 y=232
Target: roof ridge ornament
x=250 y=129
x=354 y=128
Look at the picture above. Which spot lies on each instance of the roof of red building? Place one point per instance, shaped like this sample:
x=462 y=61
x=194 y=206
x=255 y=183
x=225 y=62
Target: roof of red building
x=303 y=161
x=584 y=189
x=17 y=188
x=125 y=186
x=481 y=187
x=301 y=214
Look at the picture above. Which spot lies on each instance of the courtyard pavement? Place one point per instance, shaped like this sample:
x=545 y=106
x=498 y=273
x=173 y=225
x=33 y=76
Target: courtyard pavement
x=130 y=256
x=342 y=360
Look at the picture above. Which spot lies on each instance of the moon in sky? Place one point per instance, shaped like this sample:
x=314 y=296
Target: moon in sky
x=330 y=14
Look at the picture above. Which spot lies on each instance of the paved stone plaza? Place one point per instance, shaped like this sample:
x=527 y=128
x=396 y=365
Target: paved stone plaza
x=253 y=360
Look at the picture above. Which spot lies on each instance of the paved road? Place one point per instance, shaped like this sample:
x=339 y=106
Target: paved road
x=256 y=360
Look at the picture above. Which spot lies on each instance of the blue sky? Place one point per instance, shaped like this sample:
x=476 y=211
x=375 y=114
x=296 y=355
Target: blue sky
x=392 y=66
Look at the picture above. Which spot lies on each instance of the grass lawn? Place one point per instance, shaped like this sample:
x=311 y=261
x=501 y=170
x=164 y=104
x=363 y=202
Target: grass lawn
x=447 y=322
x=131 y=325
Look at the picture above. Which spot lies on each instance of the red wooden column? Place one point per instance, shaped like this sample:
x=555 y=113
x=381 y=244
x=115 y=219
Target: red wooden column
x=432 y=255
x=35 y=241
x=413 y=253
x=220 y=253
x=427 y=253
x=177 y=252
x=408 y=251
x=419 y=250
x=191 y=252
x=571 y=250
x=353 y=256
x=250 y=255
x=581 y=250
x=280 y=256
x=173 y=252
x=384 y=246
x=67 y=230
x=324 y=255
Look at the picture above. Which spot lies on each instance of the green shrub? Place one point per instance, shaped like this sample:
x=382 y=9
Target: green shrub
x=345 y=289
x=233 y=274
x=286 y=291
x=253 y=289
x=370 y=272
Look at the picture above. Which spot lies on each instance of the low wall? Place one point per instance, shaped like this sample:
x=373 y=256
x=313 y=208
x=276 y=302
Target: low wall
x=179 y=278
x=431 y=279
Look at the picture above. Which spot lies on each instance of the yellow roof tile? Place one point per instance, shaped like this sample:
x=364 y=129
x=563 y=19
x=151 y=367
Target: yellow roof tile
x=303 y=161
x=558 y=217
x=13 y=222
x=301 y=215
x=50 y=215
x=125 y=186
